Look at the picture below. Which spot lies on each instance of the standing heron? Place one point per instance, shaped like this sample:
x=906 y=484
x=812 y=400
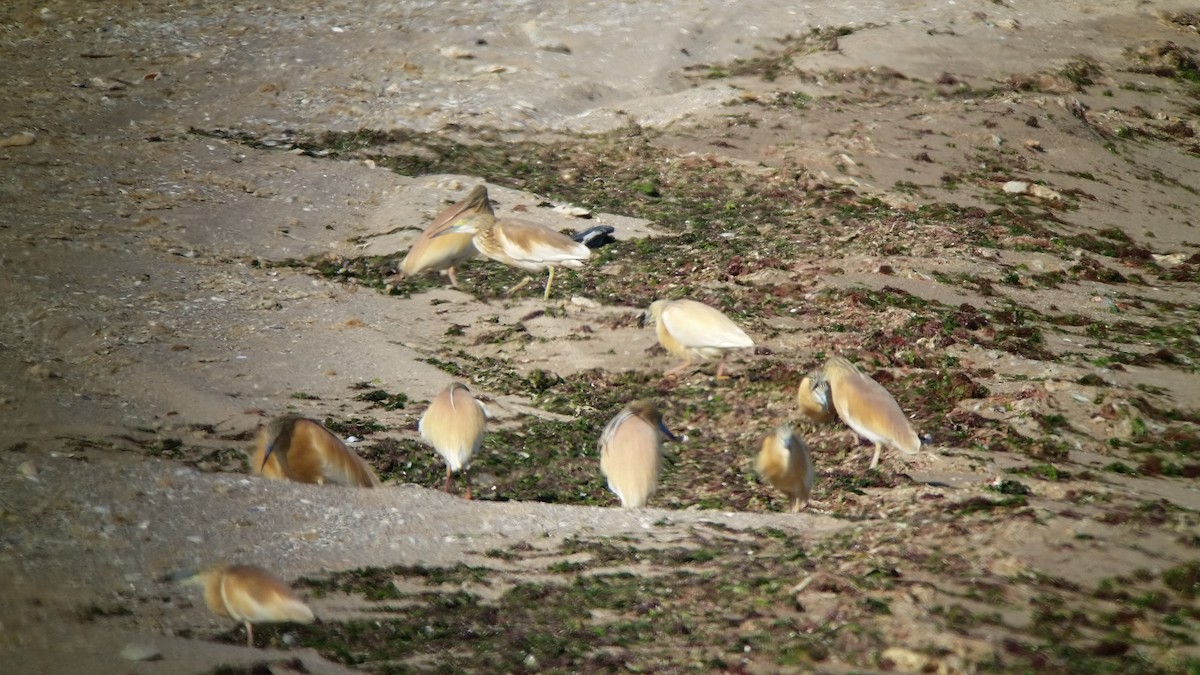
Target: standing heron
x=813 y=398
x=303 y=450
x=436 y=251
x=631 y=452
x=520 y=243
x=248 y=594
x=454 y=424
x=786 y=463
x=865 y=406
x=692 y=330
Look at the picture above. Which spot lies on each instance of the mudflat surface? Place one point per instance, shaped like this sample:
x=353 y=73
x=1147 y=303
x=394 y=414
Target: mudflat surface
x=990 y=206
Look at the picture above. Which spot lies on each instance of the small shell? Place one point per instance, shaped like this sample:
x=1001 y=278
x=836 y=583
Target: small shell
x=573 y=211
x=456 y=53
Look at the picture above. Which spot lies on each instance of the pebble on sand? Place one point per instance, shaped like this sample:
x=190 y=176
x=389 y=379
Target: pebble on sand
x=17 y=140
x=135 y=651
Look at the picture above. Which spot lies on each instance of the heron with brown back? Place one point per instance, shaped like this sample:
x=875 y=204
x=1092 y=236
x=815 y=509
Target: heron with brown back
x=785 y=462
x=247 y=594
x=434 y=250
x=862 y=403
x=303 y=450
x=813 y=398
x=522 y=244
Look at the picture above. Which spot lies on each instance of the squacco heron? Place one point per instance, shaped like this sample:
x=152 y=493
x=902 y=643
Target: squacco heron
x=813 y=398
x=436 y=251
x=248 y=594
x=867 y=408
x=520 y=243
x=692 y=330
x=301 y=449
x=631 y=452
x=785 y=462
x=454 y=424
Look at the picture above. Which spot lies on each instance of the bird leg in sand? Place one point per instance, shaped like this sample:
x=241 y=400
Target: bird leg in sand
x=875 y=459
x=453 y=277
x=549 y=282
x=721 y=369
x=523 y=284
x=678 y=369
x=447 y=488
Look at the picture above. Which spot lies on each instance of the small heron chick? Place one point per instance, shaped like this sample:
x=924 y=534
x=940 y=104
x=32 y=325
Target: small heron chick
x=867 y=408
x=454 y=424
x=785 y=462
x=692 y=330
x=248 y=594
x=520 y=243
x=301 y=449
x=813 y=398
x=435 y=251
x=631 y=452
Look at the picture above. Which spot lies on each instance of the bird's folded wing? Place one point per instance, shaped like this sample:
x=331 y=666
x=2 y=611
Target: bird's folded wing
x=698 y=325
x=532 y=243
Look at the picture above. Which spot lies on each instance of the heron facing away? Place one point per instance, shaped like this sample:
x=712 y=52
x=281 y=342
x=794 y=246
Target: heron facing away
x=631 y=452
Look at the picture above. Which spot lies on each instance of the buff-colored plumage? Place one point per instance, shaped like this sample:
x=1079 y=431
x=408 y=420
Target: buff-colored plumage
x=248 y=594
x=301 y=449
x=434 y=250
x=631 y=452
x=813 y=399
x=454 y=424
x=867 y=408
x=785 y=462
x=694 y=331
x=520 y=243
